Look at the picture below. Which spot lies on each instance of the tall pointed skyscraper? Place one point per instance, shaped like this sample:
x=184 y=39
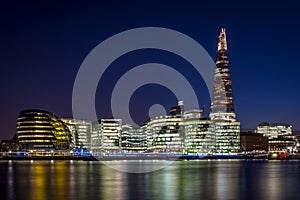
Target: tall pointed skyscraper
x=227 y=130
x=222 y=108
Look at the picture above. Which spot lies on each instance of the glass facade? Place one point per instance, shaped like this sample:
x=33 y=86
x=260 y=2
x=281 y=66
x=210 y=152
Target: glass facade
x=81 y=132
x=227 y=130
x=133 y=140
x=111 y=135
x=274 y=130
x=222 y=108
x=96 y=137
x=38 y=129
x=227 y=137
x=165 y=134
x=199 y=136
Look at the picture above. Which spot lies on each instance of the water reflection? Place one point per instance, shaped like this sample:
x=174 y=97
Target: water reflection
x=39 y=181
x=11 y=181
x=180 y=180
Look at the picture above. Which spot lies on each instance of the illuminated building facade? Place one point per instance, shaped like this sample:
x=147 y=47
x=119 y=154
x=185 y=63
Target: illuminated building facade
x=111 y=135
x=227 y=136
x=227 y=130
x=274 y=130
x=199 y=136
x=282 y=143
x=96 y=137
x=165 y=134
x=81 y=132
x=133 y=140
x=222 y=108
x=39 y=129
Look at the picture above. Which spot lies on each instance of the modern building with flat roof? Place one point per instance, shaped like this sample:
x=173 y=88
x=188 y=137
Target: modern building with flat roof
x=199 y=137
x=111 y=135
x=274 y=130
x=165 y=134
x=81 y=132
x=251 y=142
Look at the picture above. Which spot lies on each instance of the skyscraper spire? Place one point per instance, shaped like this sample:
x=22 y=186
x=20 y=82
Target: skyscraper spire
x=222 y=44
x=222 y=108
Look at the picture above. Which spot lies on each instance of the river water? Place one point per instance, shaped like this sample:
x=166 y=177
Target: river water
x=215 y=179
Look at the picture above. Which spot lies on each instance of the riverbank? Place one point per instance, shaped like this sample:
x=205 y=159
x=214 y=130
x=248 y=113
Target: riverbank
x=148 y=157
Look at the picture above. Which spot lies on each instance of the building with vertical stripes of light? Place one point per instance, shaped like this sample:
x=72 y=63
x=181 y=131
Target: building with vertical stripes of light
x=80 y=131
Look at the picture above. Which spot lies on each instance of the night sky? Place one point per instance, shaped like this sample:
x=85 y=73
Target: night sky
x=44 y=44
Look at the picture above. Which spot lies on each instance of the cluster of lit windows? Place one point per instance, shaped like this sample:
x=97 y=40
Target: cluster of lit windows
x=34 y=131
x=227 y=137
x=199 y=136
x=222 y=101
x=35 y=136
x=164 y=134
x=274 y=130
x=80 y=131
x=36 y=141
x=35 y=126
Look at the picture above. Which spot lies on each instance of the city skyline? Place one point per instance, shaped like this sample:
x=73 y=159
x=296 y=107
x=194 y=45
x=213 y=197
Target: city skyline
x=43 y=51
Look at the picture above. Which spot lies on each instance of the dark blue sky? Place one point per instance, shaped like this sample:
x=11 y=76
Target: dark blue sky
x=44 y=44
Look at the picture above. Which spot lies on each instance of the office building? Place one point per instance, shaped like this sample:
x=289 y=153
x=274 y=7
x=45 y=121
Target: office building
x=253 y=142
x=133 y=140
x=96 y=137
x=274 y=130
x=222 y=113
x=282 y=143
x=81 y=132
x=111 y=135
x=39 y=129
x=222 y=108
x=199 y=135
x=165 y=134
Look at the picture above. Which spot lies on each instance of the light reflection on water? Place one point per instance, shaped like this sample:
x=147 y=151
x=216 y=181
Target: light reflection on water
x=181 y=180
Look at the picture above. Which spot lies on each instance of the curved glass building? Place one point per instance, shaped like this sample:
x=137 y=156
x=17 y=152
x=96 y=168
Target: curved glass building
x=165 y=134
x=39 y=129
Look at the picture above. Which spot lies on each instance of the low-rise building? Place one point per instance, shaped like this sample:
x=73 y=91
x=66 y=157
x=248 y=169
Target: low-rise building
x=253 y=142
x=282 y=143
x=273 y=130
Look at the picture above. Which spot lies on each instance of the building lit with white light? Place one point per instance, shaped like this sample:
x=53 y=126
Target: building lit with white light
x=227 y=137
x=133 y=140
x=96 y=137
x=274 y=130
x=111 y=135
x=165 y=134
x=81 y=132
x=199 y=135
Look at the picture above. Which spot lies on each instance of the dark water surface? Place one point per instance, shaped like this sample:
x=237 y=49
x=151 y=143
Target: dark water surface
x=215 y=179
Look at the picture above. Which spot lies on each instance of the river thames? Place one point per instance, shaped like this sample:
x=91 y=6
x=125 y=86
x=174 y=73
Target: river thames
x=205 y=179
